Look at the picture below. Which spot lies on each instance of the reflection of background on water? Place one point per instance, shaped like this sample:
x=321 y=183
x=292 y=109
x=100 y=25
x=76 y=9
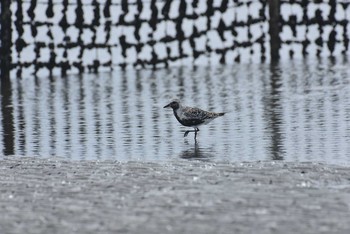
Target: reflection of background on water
x=273 y=113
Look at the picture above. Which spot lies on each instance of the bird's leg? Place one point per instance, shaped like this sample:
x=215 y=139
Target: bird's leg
x=195 y=133
x=188 y=131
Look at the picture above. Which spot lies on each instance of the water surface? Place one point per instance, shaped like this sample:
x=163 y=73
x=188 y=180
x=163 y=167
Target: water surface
x=295 y=111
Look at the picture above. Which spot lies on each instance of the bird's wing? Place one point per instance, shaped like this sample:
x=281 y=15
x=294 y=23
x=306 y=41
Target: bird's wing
x=195 y=113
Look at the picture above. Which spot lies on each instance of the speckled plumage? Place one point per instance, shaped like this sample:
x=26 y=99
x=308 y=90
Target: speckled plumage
x=191 y=116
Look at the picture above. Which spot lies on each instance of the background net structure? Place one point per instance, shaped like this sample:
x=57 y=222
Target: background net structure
x=64 y=36
x=319 y=28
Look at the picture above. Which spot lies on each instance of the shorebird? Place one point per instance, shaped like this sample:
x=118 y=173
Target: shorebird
x=191 y=116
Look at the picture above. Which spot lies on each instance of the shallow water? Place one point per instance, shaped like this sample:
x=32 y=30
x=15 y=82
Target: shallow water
x=295 y=111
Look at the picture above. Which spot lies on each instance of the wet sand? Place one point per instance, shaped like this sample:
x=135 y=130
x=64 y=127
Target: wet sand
x=60 y=196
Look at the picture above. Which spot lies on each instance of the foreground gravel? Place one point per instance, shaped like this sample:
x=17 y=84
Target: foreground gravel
x=58 y=196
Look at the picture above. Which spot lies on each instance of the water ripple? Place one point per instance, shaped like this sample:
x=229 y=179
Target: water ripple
x=294 y=112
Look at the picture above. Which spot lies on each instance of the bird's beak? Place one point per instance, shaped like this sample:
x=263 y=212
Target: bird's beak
x=167 y=106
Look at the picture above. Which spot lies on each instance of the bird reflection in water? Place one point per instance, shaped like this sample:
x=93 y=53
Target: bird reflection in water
x=196 y=153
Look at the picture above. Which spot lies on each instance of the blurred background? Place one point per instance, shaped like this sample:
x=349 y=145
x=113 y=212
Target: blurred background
x=61 y=36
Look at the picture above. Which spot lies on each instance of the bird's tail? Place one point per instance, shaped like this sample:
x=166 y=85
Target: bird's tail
x=221 y=114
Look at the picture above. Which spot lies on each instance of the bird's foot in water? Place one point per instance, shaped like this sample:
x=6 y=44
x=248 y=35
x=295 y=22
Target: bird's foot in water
x=186 y=133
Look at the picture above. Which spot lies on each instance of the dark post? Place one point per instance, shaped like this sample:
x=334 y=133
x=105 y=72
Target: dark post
x=274 y=107
x=274 y=29
x=5 y=65
x=5 y=37
x=7 y=117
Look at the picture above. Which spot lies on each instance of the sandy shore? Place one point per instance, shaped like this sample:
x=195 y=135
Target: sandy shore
x=58 y=196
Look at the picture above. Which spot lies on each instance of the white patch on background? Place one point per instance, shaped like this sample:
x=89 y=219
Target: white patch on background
x=145 y=32
x=128 y=31
x=189 y=8
x=228 y=16
x=186 y=47
x=187 y=27
x=242 y=13
x=201 y=7
x=146 y=53
x=200 y=43
x=202 y=60
x=27 y=34
x=100 y=35
x=201 y=23
x=57 y=33
x=87 y=36
x=70 y=14
x=214 y=41
x=73 y=33
x=102 y=55
x=297 y=10
x=340 y=13
x=74 y=53
x=116 y=12
x=44 y=54
x=174 y=9
x=116 y=58
x=159 y=33
x=311 y=49
x=130 y=17
x=59 y=55
x=114 y=35
x=214 y=20
x=313 y=33
x=245 y=54
x=187 y=60
x=242 y=35
x=286 y=33
x=160 y=50
x=256 y=51
x=301 y=32
x=170 y=28
x=287 y=11
x=256 y=32
x=298 y=50
x=215 y=58
x=146 y=11
x=230 y=56
x=131 y=55
x=88 y=14
x=89 y=56
x=174 y=49
x=254 y=9
x=27 y=54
